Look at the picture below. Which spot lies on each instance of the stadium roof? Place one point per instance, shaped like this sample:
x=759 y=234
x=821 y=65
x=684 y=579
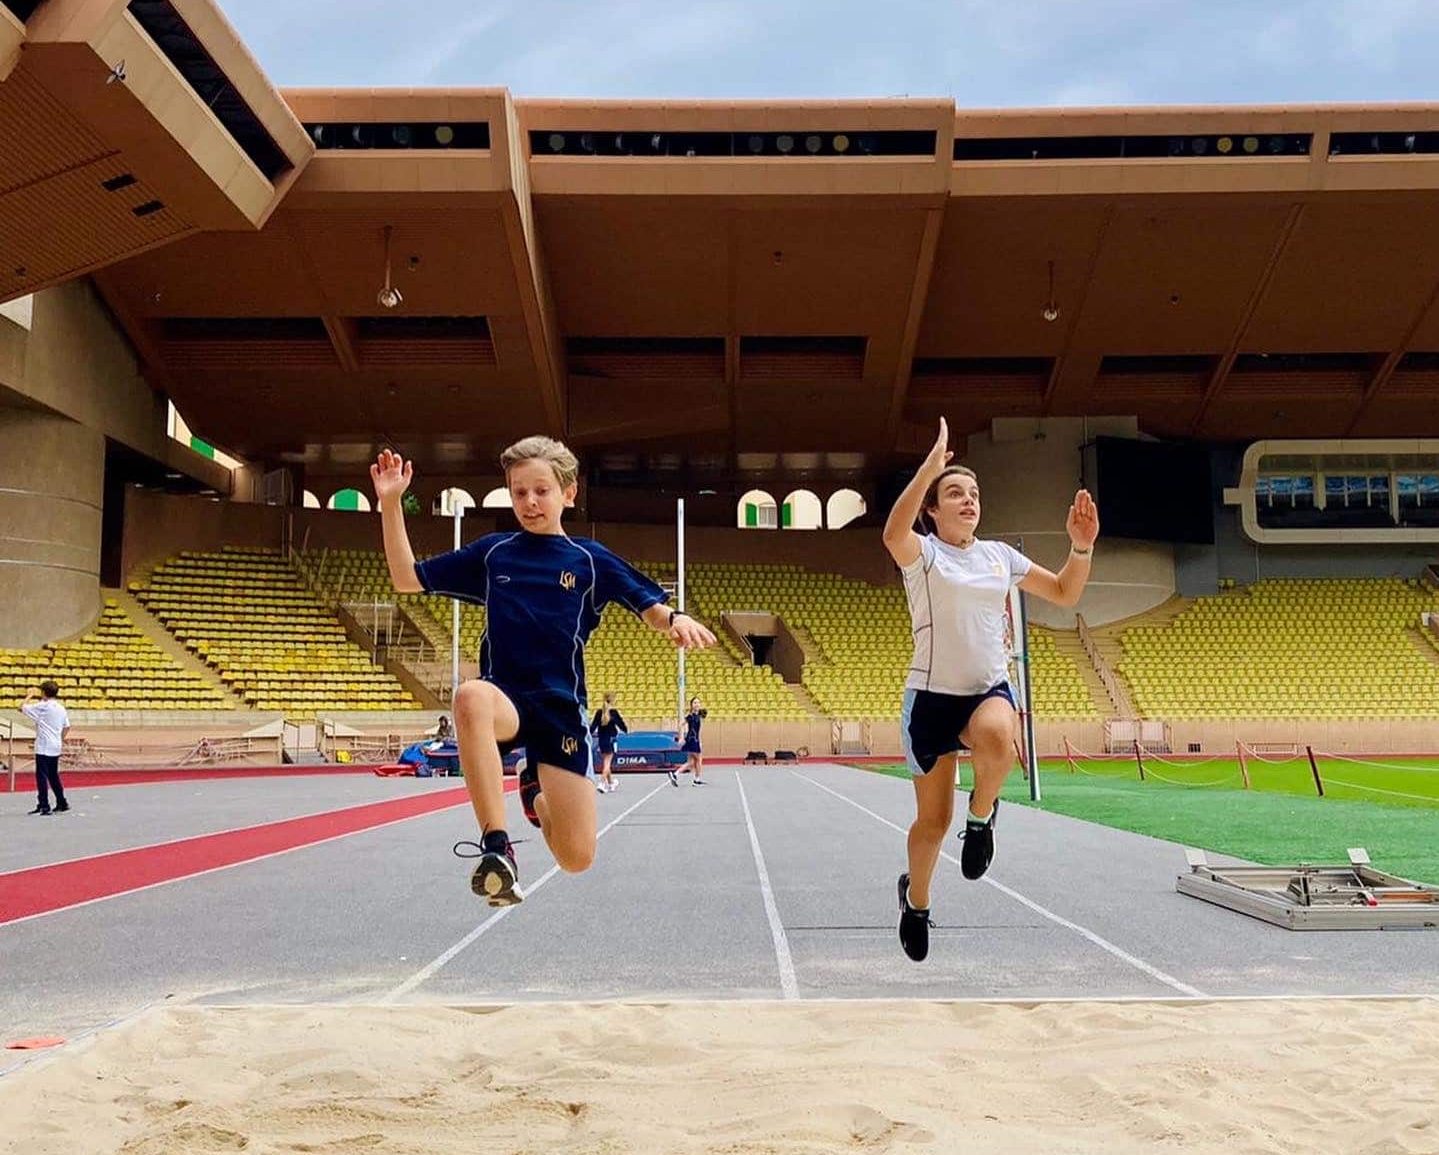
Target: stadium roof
x=708 y=278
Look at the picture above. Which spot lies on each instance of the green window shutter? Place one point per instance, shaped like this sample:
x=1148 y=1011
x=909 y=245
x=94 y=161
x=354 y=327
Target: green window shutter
x=202 y=447
x=751 y=515
x=786 y=515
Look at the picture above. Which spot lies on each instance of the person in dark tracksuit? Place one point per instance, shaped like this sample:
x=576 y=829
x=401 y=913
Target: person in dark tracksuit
x=606 y=726
x=695 y=763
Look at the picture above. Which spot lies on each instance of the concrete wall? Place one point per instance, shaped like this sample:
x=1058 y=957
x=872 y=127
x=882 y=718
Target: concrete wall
x=52 y=474
x=1028 y=474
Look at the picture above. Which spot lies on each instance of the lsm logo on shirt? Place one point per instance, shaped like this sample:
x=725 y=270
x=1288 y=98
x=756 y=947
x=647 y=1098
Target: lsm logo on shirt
x=567 y=580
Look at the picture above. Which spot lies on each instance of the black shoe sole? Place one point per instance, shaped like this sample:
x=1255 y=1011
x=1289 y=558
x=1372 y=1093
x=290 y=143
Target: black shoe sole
x=495 y=881
x=966 y=868
x=903 y=908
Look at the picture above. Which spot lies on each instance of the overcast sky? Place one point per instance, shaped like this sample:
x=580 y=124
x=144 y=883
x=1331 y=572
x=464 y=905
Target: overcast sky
x=983 y=53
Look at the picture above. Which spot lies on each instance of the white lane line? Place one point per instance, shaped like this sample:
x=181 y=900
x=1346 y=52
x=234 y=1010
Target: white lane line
x=1084 y=932
x=428 y=971
x=789 y=988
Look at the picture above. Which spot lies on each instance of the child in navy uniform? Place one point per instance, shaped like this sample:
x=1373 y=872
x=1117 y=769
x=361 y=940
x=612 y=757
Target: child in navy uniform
x=544 y=592
x=606 y=726
x=690 y=747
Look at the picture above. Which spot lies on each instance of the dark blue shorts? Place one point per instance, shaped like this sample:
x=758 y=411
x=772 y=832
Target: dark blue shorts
x=604 y=745
x=691 y=748
x=553 y=730
x=930 y=723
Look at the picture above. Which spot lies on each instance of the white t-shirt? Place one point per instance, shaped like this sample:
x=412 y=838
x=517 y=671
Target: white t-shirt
x=50 y=721
x=956 y=609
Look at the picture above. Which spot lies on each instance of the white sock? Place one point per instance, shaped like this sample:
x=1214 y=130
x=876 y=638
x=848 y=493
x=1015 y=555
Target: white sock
x=973 y=817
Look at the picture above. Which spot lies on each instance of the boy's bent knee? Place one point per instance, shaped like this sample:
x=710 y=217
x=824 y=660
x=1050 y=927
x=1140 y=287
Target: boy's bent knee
x=475 y=699
x=573 y=859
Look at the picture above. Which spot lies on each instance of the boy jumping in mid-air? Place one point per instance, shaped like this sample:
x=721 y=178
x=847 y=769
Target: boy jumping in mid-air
x=544 y=592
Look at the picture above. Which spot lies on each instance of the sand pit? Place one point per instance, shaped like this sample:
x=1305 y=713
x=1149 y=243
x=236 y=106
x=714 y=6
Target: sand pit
x=1350 y=1077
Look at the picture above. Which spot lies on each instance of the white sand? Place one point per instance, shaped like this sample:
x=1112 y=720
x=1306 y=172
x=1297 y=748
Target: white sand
x=1349 y=1078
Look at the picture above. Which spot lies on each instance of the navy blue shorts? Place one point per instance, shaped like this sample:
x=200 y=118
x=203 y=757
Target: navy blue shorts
x=930 y=723
x=604 y=745
x=553 y=730
x=691 y=748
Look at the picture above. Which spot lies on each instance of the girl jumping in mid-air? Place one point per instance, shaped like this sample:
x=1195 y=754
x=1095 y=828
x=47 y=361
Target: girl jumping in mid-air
x=543 y=591
x=957 y=693
x=606 y=726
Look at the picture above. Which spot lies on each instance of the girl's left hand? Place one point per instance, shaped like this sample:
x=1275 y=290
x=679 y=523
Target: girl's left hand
x=1083 y=521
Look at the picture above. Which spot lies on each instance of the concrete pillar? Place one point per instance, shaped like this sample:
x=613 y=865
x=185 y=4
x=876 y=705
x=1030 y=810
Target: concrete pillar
x=52 y=475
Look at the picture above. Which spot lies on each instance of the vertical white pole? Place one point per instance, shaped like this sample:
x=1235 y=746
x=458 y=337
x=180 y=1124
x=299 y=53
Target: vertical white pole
x=459 y=511
x=680 y=594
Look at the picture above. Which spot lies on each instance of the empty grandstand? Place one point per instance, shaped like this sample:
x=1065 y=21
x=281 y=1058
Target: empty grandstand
x=1301 y=648
x=111 y=667
x=250 y=616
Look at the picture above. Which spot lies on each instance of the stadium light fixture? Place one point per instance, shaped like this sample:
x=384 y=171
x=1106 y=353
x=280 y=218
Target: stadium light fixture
x=1050 y=312
x=388 y=297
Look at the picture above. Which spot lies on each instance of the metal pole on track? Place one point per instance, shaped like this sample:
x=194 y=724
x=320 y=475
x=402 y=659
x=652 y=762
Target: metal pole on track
x=1026 y=696
x=459 y=512
x=680 y=599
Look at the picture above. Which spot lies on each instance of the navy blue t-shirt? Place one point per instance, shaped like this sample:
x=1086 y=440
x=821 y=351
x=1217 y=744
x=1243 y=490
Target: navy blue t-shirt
x=544 y=594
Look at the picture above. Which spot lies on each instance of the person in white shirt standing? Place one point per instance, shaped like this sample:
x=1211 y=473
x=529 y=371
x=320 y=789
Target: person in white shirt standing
x=52 y=723
x=957 y=693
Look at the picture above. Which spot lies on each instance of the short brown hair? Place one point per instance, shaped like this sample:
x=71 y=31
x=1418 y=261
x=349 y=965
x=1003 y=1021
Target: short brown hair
x=50 y=688
x=540 y=448
x=931 y=495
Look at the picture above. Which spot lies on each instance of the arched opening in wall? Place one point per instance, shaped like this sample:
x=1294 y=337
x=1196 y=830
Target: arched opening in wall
x=801 y=510
x=450 y=500
x=309 y=500
x=843 y=507
x=350 y=499
x=757 y=510
x=497 y=498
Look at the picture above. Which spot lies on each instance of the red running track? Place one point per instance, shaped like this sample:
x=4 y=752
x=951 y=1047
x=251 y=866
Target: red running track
x=44 y=889
x=25 y=779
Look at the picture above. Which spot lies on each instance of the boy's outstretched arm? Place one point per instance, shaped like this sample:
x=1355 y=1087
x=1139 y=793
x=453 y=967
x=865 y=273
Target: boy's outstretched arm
x=683 y=630
x=391 y=476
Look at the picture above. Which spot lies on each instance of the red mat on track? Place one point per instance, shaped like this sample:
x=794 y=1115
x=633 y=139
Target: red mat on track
x=42 y=889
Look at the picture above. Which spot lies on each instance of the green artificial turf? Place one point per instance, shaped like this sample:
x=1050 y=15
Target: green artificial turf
x=1280 y=820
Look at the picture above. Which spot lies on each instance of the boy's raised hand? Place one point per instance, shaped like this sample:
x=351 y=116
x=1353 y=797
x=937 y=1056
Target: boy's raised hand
x=689 y=634
x=391 y=475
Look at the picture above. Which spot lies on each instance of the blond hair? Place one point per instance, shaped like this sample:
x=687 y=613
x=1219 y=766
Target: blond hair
x=540 y=448
x=931 y=495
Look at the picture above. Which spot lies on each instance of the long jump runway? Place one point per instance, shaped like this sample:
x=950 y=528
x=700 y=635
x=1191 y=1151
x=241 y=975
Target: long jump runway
x=769 y=883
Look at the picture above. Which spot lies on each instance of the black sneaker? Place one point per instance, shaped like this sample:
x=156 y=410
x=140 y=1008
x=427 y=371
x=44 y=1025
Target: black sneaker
x=674 y=779
x=43 y=811
x=978 y=850
x=913 y=924
x=529 y=791
x=496 y=877
x=64 y=806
